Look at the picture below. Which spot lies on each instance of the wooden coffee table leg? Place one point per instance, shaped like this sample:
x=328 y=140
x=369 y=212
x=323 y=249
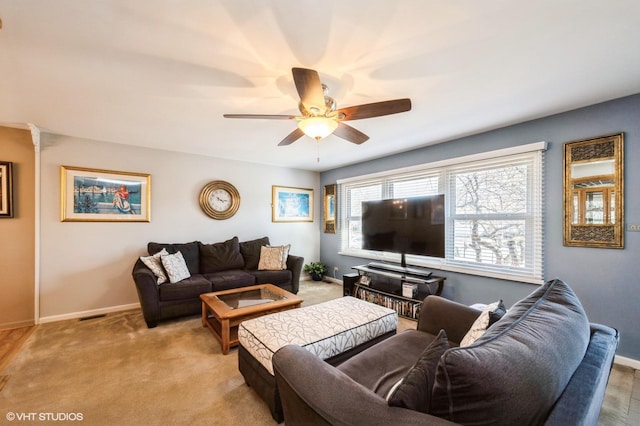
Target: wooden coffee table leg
x=226 y=335
x=204 y=314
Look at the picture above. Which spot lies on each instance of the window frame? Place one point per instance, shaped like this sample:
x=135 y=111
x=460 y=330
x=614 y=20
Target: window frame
x=531 y=154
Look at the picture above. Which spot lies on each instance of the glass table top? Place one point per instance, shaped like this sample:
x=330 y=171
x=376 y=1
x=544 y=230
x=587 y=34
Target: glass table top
x=249 y=298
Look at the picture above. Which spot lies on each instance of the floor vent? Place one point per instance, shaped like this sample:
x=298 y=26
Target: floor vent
x=93 y=317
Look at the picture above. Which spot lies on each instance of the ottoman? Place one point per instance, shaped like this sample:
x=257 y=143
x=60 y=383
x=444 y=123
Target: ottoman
x=334 y=331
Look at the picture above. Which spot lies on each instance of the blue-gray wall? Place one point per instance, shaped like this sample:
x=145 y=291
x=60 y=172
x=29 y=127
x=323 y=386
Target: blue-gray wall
x=607 y=281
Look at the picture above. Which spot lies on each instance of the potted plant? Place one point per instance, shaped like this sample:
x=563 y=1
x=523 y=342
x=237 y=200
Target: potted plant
x=315 y=269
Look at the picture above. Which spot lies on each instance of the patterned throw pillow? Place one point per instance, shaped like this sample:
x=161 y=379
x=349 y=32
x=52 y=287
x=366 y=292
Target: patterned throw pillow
x=285 y=254
x=176 y=267
x=271 y=259
x=489 y=315
x=155 y=264
x=414 y=390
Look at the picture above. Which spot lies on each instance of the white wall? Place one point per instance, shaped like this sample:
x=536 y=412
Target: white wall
x=86 y=266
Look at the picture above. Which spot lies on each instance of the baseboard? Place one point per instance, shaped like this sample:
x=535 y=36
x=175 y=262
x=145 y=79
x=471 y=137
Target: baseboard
x=627 y=362
x=91 y=313
x=17 y=324
x=325 y=279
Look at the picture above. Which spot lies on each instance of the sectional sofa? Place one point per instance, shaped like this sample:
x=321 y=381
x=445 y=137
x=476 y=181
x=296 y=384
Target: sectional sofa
x=541 y=363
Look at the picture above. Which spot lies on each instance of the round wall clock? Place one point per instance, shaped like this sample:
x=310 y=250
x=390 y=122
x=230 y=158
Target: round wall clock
x=219 y=199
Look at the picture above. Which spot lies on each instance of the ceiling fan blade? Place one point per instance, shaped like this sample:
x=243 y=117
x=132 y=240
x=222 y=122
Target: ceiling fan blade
x=375 y=109
x=309 y=89
x=292 y=137
x=261 y=116
x=351 y=134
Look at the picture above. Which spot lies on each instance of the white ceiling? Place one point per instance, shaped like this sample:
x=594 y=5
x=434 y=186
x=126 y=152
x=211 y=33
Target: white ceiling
x=161 y=73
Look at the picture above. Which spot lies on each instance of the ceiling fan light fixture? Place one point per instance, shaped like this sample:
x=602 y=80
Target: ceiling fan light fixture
x=317 y=127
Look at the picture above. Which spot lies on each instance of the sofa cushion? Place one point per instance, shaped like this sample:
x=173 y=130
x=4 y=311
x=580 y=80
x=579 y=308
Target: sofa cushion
x=234 y=278
x=378 y=370
x=273 y=277
x=414 y=390
x=190 y=288
x=190 y=252
x=220 y=256
x=250 y=251
x=517 y=370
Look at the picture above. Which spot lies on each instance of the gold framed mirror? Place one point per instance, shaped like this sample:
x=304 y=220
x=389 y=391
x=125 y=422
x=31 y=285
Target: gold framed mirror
x=594 y=192
x=329 y=199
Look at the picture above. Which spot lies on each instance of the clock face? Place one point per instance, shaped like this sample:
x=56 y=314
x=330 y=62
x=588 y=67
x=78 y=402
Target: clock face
x=219 y=199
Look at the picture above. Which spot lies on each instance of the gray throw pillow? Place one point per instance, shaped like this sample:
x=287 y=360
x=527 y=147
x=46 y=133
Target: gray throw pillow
x=414 y=391
x=497 y=313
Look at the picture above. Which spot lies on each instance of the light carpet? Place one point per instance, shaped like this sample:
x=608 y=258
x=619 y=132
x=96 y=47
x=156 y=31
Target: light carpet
x=114 y=370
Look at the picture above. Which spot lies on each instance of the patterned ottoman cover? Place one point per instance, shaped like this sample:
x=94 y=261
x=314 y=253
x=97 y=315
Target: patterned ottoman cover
x=326 y=329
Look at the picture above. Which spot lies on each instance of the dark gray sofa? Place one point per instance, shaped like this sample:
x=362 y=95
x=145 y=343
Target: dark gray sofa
x=213 y=267
x=542 y=363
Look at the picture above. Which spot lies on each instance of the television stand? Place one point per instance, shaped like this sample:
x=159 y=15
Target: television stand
x=407 y=270
x=382 y=283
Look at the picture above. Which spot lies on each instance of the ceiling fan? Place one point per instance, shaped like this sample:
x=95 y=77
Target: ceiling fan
x=319 y=114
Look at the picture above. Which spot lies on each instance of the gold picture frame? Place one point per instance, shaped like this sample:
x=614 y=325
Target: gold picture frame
x=95 y=195
x=289 y=204
x=329 y=199
x=6 y=189
x=594 y=192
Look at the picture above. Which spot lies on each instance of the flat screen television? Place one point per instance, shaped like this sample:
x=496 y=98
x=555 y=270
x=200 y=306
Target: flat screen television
x=405 y=226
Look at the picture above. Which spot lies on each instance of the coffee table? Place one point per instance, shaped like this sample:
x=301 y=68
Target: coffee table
x=223 y=311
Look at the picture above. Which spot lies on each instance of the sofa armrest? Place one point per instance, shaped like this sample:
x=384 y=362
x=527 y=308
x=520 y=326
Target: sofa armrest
x=147 y=287
x=294 y=264
x=582 y=399
x=438 y=313
x=314 y=392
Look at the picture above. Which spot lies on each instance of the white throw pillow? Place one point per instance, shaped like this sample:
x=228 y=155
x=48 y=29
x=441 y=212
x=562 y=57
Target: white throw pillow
x=155 y=264
x=176 y=267
x=270 y=259
x=479 y=326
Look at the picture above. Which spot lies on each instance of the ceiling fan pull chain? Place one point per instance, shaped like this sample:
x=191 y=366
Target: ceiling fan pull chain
x=318 y=147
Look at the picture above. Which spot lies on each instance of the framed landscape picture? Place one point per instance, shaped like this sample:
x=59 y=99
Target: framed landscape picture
x=6 y=189
x=93 y=195
x=291 y=204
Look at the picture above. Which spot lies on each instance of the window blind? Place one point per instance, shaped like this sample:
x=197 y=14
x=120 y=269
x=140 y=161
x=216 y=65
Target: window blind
x=494 y=223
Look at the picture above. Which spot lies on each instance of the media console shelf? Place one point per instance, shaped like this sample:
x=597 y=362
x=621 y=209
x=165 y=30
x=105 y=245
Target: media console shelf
x=384 y=286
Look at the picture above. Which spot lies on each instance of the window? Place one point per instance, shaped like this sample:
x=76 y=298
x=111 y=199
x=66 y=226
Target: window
x=493 y=211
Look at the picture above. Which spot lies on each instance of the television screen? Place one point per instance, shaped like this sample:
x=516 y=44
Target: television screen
x=405 y=225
